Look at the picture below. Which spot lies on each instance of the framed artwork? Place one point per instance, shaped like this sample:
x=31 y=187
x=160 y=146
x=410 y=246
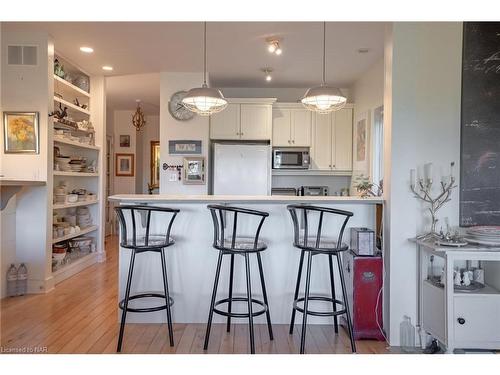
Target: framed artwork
x=21 y=132
x=361 y=140
x=125 y=140
x=194 y=171
x=154 y=179
x=182 y=147
x=124 y=165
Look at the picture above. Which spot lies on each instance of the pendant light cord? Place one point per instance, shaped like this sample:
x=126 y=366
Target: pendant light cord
x=324 y=53
x=205 y=53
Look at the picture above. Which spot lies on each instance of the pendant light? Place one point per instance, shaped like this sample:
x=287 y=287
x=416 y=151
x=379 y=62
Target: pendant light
x=324 y=99
x=204 y=100
x=138 y=119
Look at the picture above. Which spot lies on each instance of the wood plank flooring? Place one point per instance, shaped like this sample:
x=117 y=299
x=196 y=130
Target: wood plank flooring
x=80 y=316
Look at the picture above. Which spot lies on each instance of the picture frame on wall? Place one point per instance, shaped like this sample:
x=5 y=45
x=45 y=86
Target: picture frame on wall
x=124 y=140
x=184 y=147
x=194 y=171
x=124 y=165
x=21 y=132
x=361 y=135
x=154 y=180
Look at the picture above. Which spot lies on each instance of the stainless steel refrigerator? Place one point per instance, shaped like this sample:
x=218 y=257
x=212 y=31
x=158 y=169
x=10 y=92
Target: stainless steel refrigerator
x=241 y=169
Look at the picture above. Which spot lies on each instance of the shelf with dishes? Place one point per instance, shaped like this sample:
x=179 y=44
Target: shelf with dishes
x=66 y=253
x=82 y=142
x=67 y=89
x=62 y=206
x=77 y=127
x=82 y=165
x=77 y=232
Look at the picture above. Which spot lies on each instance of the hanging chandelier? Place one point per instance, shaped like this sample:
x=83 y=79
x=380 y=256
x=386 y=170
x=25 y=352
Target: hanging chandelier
x=204 y=100
x=138 y=119
x=324 y=99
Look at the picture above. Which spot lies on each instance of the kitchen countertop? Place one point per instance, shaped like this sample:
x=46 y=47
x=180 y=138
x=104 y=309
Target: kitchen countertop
x=166 y=198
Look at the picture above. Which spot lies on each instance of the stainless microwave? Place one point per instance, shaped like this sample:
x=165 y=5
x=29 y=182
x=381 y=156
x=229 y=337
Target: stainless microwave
x=291 y=158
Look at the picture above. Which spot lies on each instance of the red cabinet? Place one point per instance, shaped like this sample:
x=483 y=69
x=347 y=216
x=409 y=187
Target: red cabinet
x=363 y=276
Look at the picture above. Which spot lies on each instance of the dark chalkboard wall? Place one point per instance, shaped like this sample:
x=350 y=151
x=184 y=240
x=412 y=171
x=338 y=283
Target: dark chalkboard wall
x=480 y=127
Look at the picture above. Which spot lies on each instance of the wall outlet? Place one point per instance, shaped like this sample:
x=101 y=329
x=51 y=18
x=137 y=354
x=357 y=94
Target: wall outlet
x=173 y=176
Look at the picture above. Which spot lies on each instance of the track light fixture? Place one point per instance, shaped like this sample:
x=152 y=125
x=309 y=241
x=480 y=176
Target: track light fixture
x=273 y=46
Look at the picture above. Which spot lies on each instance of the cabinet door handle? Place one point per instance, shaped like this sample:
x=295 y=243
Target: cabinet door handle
x=293 y=142
x=329 y=165
x=461 y=321
x=241 y=133
x=288 y=141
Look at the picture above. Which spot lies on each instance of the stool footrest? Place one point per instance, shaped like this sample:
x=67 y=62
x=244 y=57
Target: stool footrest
x=320 y=313
x=240 y=315
x=146 y=309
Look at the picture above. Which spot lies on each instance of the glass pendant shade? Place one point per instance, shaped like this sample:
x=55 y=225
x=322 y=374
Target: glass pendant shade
x=324 y=99
x=204 y=100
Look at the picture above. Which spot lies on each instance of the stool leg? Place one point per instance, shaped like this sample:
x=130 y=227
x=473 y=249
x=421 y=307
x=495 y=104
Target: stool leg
x=332 y=285
x=212 y=303
x=346 y=304
x=264 y=293
x=125 y=301
x=250 y=312
x=306 y=302
x=167 y=298
x=231 y=273
x=297 y=286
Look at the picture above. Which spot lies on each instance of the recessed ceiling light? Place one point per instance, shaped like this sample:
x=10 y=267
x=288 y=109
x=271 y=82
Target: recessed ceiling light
x=86 y=49
x=107 y=68
x=363 y=50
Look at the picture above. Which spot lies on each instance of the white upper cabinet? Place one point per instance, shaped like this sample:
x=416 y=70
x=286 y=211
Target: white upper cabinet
x=226 y=124
x=243 y=119
x=321 y=153
x=332 y=141
x=291 y=126
x=255 y=122
x=342 y=152
x=301 y=127
x=281 y=127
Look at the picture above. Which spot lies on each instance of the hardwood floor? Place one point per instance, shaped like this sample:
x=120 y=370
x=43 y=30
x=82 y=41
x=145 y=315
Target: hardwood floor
x=80 y=316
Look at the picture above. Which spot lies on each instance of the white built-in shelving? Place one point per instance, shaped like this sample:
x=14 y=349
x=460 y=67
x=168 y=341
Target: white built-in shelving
x=69 y=95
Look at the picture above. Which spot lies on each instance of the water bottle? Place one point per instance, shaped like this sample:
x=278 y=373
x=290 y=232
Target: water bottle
x=407 y=335
x=22 y=280
x=12 y=281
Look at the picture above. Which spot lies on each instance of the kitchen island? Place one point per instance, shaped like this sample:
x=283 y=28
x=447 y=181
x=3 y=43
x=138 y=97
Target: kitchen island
x=191 y=261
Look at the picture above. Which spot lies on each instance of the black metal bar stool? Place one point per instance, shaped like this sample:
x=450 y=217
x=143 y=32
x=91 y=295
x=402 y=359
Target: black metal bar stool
x=135 y=225
x=244 y=246
x=314 y=244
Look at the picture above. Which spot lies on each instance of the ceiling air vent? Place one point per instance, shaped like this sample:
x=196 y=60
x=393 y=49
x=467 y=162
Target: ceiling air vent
x=22 y=55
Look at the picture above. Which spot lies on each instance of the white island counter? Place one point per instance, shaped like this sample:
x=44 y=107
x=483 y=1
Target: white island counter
x=191 y=261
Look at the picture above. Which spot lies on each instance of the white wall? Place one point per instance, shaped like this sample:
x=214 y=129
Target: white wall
x=287 y=95
x=29 y=88
x=122 y=125
x=422 y=120
x=368 y=94
x=170 y=129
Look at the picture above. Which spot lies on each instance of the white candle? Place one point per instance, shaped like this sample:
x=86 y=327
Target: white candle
x=428 y=171
x=452 y=165
x=412 y=177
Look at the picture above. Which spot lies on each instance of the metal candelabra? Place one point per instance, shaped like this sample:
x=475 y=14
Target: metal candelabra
x=423 y=192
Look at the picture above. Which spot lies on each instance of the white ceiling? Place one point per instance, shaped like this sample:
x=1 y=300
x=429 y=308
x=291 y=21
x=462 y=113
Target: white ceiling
x=236 y=50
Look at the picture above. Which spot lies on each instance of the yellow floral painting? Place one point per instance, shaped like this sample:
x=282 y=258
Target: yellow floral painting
x=21 y=132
